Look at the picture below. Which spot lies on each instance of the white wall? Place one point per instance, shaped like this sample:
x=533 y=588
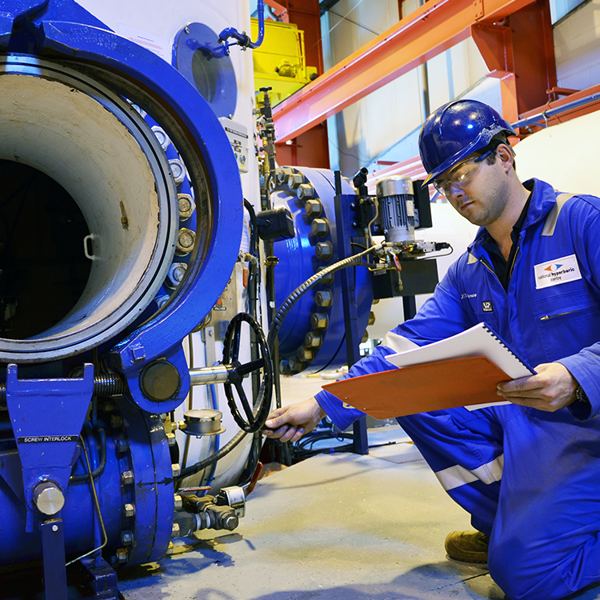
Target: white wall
x=577 y=47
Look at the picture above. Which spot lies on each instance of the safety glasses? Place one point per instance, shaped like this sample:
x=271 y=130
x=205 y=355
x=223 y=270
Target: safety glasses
x=460 y=175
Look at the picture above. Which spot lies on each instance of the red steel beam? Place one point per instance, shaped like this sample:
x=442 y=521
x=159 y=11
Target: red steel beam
x=425 y=33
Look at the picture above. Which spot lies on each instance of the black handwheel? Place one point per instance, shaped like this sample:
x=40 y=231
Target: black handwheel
x=255 y=416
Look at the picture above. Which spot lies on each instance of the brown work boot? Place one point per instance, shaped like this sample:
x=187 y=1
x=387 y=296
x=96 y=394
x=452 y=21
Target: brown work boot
x=467 y=546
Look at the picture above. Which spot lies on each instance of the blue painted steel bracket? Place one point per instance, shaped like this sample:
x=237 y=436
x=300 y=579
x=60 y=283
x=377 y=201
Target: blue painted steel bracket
x=47 y=416
x=161 y=336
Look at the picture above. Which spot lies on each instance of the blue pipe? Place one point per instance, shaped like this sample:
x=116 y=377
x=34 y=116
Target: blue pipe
x=556 y=111
x=243 y=39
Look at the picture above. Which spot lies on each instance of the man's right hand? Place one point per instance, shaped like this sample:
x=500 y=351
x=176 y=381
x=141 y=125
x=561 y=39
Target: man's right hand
x=290 y=423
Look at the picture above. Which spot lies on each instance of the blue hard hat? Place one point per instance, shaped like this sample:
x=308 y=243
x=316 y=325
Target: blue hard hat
x=456 y=130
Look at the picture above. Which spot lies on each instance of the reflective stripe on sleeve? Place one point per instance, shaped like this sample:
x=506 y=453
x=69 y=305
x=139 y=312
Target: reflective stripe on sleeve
x=454 y=477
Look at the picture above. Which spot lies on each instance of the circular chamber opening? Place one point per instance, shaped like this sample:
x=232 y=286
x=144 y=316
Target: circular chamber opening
x=42 y=256
x=90 y=178
x=202 y=60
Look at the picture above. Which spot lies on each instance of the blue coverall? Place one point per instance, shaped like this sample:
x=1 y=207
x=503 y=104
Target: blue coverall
x=529 y=478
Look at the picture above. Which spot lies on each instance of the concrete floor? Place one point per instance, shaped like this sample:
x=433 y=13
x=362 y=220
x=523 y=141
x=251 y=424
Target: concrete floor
x=336 y=526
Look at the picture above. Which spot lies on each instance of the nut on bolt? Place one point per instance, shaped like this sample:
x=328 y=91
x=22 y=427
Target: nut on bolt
x=312 y=339
x=305 y=354
x=319 y=321
x=129 y=510
x=294 y=365
x=176 y=274
x=175 y=533
x=121 y=555
x=305 y=190
x=122 y=445
x=176 y=470
x=324 y=298
x=178 y=504
x=295 y=180
x=187 y=206
x=324 y=250
x=283 y=174
x=313 y=208
x=230 y=522
x=127 y=477
x=186 y=238
x=319 y=227
x=127 y=538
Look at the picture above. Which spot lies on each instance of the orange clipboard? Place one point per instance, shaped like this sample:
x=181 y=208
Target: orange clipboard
x=422 y=388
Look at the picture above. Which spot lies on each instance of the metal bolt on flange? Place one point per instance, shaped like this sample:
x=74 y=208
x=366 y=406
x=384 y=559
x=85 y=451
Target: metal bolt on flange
x=305 y=354
x=187 y=206
x=319 y=227
x=324 y=250
x=127 y=538
x=129 y=510
x=171 y=440
x=324 y=298
x=121 y=555
x=312 y=339
x=319 y=321
x=122 y=445
x=127 y=477
x=295 y=365
x=313 y=208
x=295 y=180
x=178 y=503
x=176 y=470
x=175 y=533
x=283 y=174
x=284 y=367
x=176 y=275
x=161 y=136
x=186 y=238
x=178 y=170
x=305 y=190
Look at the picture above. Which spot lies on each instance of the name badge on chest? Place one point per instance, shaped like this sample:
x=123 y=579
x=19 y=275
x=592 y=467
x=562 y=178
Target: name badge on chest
x=555 y=272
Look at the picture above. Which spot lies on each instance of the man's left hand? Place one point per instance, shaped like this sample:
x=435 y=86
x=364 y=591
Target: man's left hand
x=551 y=388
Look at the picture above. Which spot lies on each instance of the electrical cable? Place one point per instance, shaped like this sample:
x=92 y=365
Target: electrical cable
x=84 y=477
x=93 y=484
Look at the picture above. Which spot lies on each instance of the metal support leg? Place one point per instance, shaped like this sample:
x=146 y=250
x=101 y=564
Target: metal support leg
x=53 y=552
x=103 y=577
x=353 y=336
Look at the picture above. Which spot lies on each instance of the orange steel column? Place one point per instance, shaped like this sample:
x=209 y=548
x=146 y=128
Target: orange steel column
x=310 y=148
x=521 y=44
x=425 y=33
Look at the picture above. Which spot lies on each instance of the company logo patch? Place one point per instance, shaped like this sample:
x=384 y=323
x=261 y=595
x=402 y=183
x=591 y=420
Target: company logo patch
x=486 y=306
x=555 y=272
